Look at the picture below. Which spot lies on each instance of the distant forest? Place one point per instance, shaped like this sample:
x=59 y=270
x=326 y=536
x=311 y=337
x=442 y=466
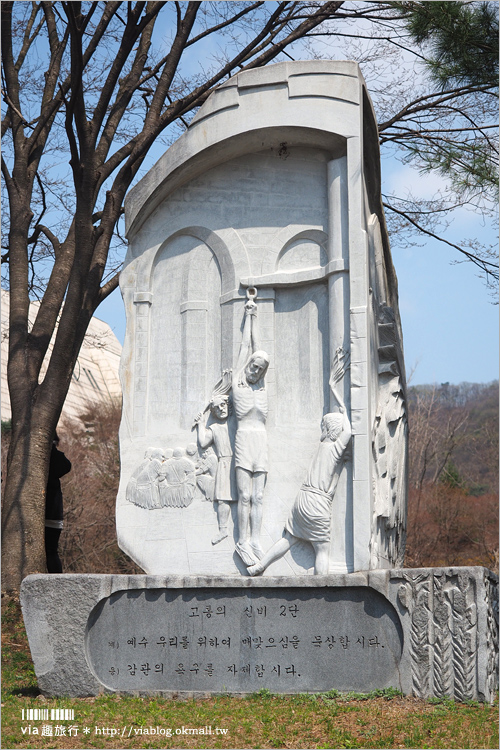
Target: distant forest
x=453 y=492
x=461 y=434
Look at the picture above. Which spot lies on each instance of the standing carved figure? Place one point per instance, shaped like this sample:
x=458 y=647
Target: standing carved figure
x=142 y=488
x=310 y=515
x=251 y=408
x=218 y=436
x=178 y=475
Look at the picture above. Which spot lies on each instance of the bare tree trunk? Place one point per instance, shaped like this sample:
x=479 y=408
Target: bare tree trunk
x=23 y=519
x=36 y=414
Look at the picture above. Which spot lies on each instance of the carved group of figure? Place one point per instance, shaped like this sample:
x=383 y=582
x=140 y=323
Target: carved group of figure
x=168 y=478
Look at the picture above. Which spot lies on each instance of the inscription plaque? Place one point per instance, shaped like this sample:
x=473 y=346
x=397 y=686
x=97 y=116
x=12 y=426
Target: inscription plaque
x=290 y=640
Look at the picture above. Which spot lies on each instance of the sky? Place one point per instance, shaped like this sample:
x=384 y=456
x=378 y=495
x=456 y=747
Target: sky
x=450 y=324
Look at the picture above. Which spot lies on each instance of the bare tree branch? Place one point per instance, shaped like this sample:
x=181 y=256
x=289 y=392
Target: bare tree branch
x=486 y=266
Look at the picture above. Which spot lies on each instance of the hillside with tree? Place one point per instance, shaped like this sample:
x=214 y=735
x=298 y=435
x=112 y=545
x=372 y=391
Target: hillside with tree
x=453 y=493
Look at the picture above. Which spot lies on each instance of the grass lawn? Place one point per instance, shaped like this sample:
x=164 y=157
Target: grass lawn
x=262 y=720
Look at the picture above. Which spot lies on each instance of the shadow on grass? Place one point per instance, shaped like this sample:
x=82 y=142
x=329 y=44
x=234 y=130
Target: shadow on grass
x=28 y=692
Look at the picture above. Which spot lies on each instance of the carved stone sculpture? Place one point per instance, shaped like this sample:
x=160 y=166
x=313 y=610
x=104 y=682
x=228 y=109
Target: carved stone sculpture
x=178 y=476
x=165 y=479
x=389 y=438
x=217 y=434
x=274 y=190
x=491 y=591
x=251 y=454
x=142 y=488
x=443 y=633
x=258 y=249
x=310 y=517
x=206 y=470
x=381 y=628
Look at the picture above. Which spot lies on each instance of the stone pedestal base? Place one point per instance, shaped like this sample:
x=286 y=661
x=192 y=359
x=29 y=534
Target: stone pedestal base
x=427 y=632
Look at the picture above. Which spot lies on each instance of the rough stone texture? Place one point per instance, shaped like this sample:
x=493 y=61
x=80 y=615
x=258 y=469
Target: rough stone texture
x=438 y=628
x=275 y=184
x=286 y=640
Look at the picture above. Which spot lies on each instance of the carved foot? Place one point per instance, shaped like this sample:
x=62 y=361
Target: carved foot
x=245 y=552
x=220 y=536
x=257 y=550
x=255 y=570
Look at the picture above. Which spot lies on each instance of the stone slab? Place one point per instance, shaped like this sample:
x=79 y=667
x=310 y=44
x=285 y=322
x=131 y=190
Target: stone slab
x=288 y=640
x=425 y=632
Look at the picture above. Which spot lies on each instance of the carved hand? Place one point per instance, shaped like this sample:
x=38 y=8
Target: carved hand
x=251 y=307
x=197 y=419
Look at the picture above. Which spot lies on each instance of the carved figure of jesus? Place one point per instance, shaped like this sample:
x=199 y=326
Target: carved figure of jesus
x=250 y=451
x=309 y=517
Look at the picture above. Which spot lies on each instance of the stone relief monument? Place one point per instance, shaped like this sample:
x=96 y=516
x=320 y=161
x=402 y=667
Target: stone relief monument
x=264 y=432
x=257 y=244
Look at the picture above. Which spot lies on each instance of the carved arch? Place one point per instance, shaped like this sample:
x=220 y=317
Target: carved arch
x=282 y=241
x=231 y=256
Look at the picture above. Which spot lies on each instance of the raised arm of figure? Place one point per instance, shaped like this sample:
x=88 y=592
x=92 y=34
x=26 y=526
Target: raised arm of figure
x=256 y=346
x=338 y=397
x=345 y=435
x=250 y=308
x=205 y=435
x=340 y=365
x=340 y=445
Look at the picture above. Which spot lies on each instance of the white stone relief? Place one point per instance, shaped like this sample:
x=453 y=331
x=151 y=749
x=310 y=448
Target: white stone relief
x=491 y=596
x=310 y=516
x=443 y=632
x=142 y=488
x=389 y=438
x=442 y=623
x=251 y=454
x=206 y=469
x=414 y=595
x=165 y=479
x=464 y=613
x=217 y=434
x=223 y=212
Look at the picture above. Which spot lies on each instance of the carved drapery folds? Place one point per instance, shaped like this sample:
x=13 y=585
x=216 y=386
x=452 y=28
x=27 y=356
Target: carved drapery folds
x=164 y=479
x=389 y=448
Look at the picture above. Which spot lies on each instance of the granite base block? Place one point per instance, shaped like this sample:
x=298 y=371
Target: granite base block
x=427 y=632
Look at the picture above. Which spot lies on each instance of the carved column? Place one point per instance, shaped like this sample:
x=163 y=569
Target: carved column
x=142 y=302
x=194 y=356
x=341 y=551
x=361 y=396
